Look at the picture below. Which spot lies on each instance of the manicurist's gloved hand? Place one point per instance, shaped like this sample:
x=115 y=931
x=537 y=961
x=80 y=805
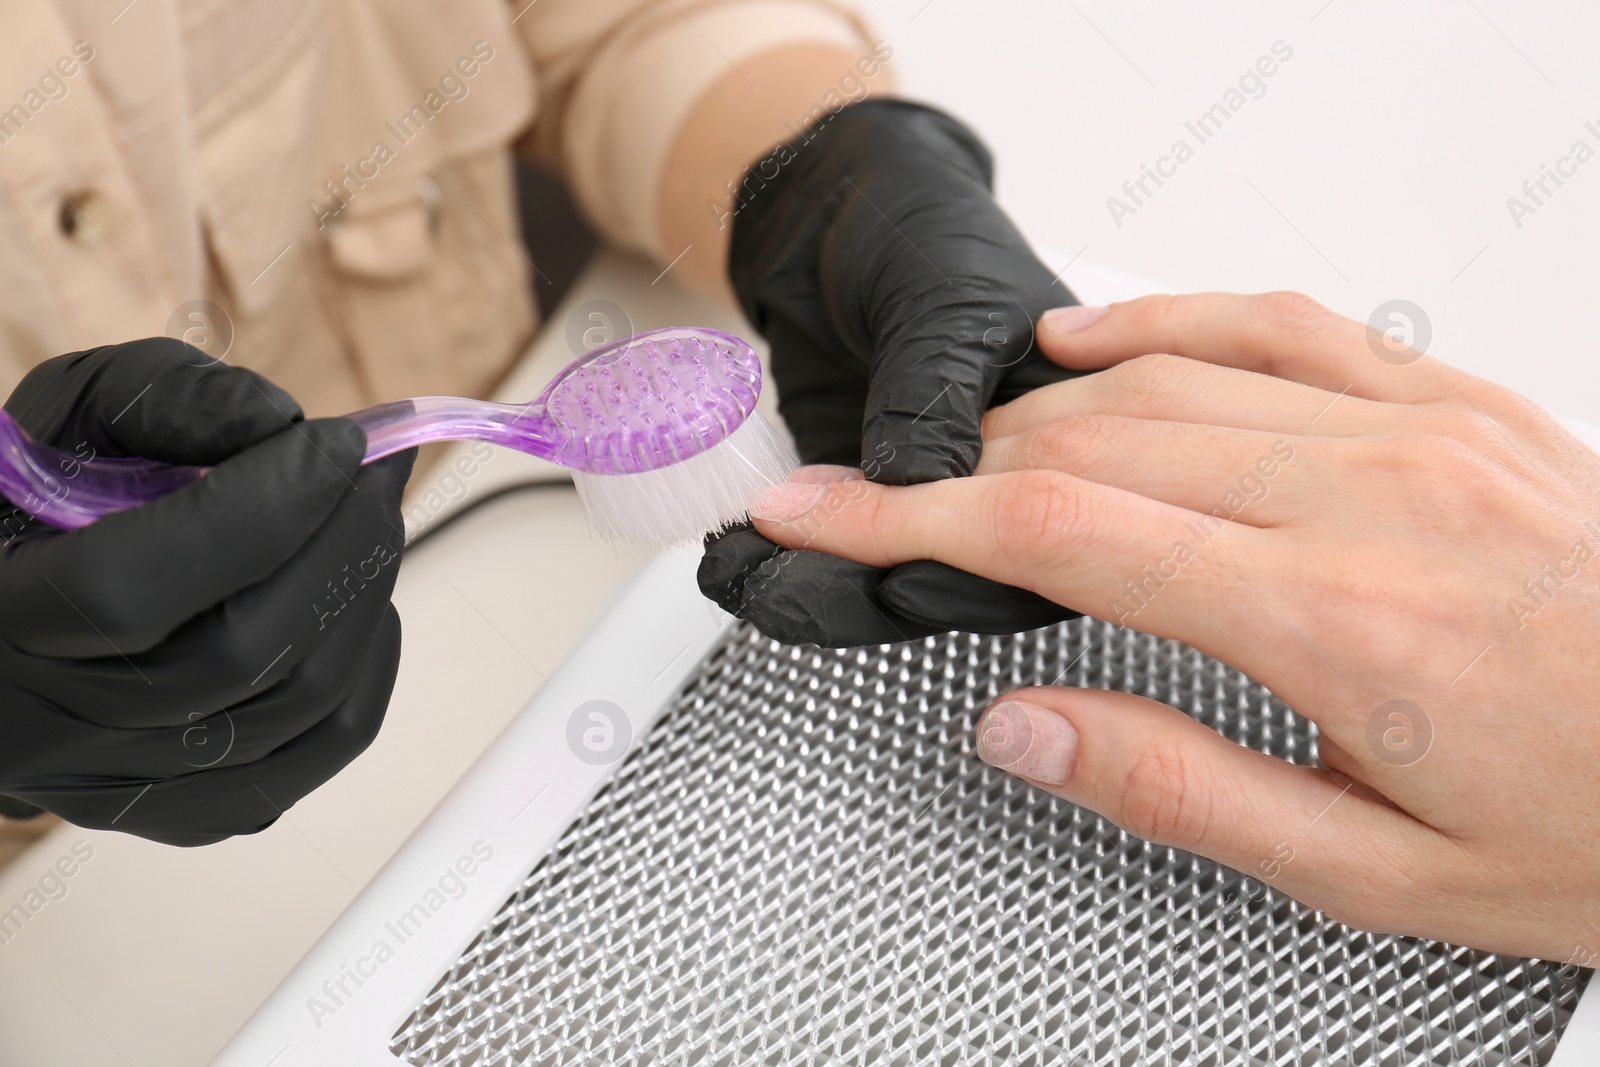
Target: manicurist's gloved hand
x=899 y=302
x=187 y=670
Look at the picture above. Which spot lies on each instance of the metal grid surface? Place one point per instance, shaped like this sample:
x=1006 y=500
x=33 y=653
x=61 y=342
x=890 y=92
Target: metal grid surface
x=804 y=863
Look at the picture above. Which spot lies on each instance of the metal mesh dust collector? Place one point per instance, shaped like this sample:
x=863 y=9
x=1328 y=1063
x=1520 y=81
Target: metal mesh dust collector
x=805 y=863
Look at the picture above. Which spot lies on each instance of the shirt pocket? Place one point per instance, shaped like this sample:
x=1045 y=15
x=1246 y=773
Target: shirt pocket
x=366 y=243
x=433 y=294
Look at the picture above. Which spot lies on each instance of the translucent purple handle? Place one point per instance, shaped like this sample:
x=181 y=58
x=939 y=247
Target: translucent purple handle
x=73 y=489
x=636 y=405
x=405 y=424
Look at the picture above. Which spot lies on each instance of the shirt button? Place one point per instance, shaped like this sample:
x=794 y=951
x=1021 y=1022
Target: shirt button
x=84 y=216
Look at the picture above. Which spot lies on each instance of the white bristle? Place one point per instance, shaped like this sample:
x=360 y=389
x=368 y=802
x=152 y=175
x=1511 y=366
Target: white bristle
x=684 y=502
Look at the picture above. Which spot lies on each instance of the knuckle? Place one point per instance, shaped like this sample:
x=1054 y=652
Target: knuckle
x=320 y=682
x=1037 y=512
x=1430 y=452
x=1161 y=799
x=1494 y=425
x=871 y=511
x=1071 y=444
x=1486 y=430
x=1447 y=470
x=1152 y=313
x=1455 y=420
x=351 y=728
x=1520 y=413
x=1291 y=311
x=1101 y=425
x=1452 y=455
x=1052 y=447
x=1145 y=380
x=241 y=824
x=1431 y=467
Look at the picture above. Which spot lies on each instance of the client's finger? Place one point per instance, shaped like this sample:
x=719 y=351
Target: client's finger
x=1093 y=548
x=1185 y=390
x=1239 y=475
x=1166 y=778
x=1286 y=335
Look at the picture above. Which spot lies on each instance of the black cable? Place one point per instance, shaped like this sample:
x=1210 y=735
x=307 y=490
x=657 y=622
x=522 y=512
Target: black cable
x=487 y=498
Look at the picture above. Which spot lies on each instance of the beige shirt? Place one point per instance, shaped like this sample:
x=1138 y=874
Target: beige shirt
x=324 y=186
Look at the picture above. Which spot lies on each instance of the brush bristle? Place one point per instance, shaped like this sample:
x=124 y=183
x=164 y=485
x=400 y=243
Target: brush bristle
x=683 y=502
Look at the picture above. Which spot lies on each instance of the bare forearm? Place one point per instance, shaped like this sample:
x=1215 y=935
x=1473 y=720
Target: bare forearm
x=768 y=101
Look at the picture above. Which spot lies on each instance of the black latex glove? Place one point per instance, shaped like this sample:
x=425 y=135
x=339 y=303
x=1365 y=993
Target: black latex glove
x=187 y=670
x=899 y=302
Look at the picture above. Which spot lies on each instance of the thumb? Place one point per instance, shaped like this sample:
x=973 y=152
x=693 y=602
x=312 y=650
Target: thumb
x=1164 y=777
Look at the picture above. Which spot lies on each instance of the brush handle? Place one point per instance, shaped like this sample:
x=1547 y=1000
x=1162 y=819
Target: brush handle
x=633 y=406
x=71 y=489
x=404 y=424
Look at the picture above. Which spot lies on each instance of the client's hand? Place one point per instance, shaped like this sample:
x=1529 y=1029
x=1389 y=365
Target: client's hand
x=1404 y=553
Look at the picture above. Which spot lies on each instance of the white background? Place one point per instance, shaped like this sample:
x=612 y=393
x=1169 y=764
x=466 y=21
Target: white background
x=1391 y=141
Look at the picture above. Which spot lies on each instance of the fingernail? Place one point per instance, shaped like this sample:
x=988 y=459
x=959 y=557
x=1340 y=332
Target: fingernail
x=825 y=474
x=788 y=502
x=1066 y=320
x=1028 y=741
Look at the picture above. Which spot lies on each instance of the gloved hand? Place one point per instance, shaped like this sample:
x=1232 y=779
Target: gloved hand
x=187 y=670
x=899 y=302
